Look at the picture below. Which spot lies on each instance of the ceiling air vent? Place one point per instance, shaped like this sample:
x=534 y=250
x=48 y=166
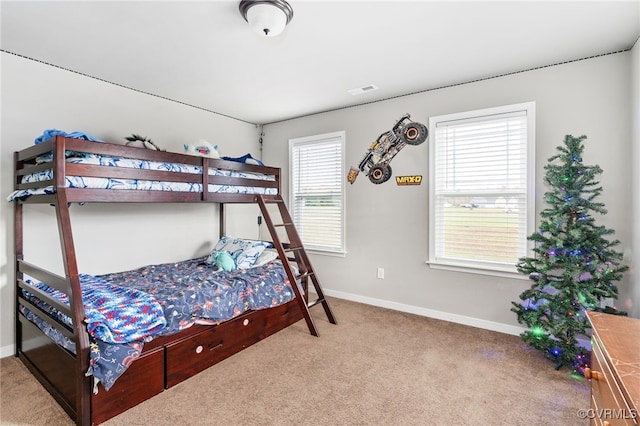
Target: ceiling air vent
x=363 y=89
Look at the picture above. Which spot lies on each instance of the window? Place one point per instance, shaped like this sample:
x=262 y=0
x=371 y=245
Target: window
x=482 y=182
x=316 y=165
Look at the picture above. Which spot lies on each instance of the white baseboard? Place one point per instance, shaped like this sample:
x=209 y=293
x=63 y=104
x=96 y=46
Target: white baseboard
x=445 y=316
x=6 y=351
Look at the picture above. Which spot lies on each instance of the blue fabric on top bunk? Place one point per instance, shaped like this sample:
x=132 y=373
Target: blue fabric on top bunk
x=247 y=159
x=50 y=133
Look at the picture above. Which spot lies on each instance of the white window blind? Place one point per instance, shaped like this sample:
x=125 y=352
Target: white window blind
x=481 y=200
x=317 y=190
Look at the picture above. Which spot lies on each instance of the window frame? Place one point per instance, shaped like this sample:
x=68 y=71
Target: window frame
x=474 y=266
x=310 y=140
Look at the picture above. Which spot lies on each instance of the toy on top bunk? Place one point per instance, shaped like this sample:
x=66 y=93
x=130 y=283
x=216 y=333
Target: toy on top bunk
x=202 y=148
x=138 y=141
x=206 y=149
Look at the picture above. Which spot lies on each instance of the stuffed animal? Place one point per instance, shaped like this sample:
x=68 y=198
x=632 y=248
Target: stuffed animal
x=138 y=141
x=203 y=148
x=224 y=261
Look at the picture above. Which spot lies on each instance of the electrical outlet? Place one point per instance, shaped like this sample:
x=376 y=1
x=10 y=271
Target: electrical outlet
x=381 y=273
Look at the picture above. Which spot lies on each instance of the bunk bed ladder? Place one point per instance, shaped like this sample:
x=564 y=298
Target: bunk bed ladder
x=293 y=251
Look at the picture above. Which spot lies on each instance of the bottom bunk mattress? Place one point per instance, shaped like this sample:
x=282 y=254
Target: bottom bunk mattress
x=126 y=309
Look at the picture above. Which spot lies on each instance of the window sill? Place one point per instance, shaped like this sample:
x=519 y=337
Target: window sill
x=327 y=253
x=476 y=270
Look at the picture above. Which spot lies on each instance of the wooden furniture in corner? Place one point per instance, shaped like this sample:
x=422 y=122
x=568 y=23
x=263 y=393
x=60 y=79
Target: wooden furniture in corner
x=615 y=370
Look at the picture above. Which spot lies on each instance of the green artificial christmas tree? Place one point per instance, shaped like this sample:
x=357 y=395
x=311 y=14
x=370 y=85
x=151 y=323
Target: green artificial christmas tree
x=575 y=264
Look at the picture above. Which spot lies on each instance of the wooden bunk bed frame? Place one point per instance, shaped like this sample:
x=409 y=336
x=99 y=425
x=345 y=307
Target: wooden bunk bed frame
x=167 y=360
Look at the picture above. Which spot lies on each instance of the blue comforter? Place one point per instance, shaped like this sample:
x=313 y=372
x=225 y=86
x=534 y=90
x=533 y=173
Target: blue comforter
x=190 y=291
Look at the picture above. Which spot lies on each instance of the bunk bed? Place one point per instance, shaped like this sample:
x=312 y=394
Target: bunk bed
x=56 y=332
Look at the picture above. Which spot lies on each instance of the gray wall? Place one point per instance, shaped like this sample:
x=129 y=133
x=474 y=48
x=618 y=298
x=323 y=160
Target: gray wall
x=36 y=97
x=387 y=225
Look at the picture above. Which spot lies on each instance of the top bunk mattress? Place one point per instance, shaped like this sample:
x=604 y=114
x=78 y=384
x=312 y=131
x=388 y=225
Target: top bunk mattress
x=98 y=169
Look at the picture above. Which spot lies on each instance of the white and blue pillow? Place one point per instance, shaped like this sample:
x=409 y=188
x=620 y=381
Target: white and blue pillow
x=243 y=252
x=268 y=255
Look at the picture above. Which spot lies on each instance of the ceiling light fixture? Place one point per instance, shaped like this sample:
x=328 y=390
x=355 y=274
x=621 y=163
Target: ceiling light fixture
x=266 y=17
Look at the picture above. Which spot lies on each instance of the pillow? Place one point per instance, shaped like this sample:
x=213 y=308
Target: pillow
x=266 y=256
x=243 y=252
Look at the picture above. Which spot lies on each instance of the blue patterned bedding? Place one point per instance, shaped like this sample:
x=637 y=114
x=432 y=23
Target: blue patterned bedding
x=186 y=292
x=189 y=293
x=138 y=184
x=113 y=313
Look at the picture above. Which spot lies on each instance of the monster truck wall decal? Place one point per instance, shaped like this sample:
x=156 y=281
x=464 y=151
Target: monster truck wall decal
x=375 y=162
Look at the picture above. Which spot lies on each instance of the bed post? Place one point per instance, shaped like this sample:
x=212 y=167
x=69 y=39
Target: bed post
x=82 y=382
x=222 y=229
x=19 y=255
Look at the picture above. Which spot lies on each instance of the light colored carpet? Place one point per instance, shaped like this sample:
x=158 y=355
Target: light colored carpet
x=376 y=367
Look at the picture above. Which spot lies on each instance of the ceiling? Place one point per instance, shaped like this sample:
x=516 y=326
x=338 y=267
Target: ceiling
x=203 y=53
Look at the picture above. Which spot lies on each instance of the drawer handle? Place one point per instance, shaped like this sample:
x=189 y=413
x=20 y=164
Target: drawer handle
x=216 y=346
x=245 y=322
x=590 y=374
x=212 y=347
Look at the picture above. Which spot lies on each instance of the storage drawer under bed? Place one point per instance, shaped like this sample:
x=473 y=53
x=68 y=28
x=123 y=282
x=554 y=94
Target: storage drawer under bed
x=197 y=352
